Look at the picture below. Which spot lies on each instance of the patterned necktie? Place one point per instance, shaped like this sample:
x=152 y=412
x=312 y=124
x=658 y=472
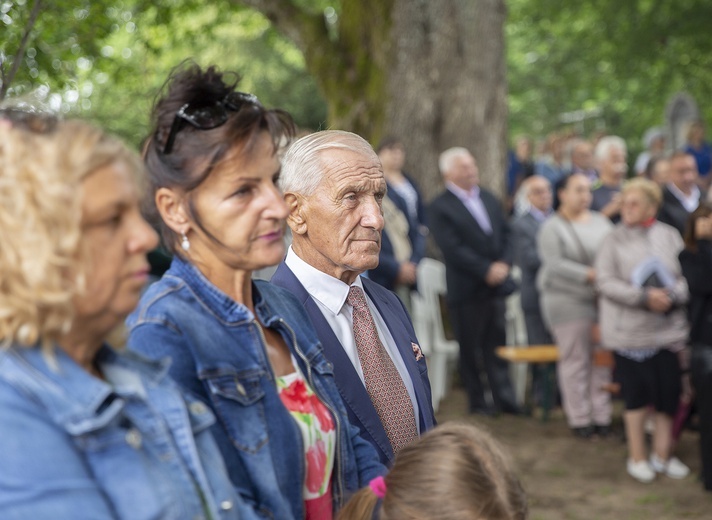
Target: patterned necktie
x=383 y=382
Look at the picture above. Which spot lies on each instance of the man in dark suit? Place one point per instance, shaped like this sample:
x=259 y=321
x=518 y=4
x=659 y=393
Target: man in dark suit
x=681 y=195
x=524 y=231
x=333 y=184
x=469 y=226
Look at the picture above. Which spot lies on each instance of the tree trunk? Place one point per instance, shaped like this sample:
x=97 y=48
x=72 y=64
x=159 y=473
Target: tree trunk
x=448 y=86
x=431 y=72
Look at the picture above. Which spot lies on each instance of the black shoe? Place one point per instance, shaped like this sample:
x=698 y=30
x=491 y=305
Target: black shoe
x=514 y=410
x=483 y=410
x=584 y=432
x=602 y=431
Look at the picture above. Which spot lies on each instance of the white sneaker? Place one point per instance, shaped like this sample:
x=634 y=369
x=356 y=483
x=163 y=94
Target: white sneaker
x=640 y=471
x=673 y=468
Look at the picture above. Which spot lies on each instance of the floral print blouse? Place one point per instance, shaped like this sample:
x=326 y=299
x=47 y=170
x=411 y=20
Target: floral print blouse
x=319 y=442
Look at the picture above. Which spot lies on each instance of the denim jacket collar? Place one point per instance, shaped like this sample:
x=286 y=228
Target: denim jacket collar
x=73 y=397
x=217 y=302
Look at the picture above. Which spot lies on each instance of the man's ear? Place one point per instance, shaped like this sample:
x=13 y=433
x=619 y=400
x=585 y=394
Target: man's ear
x=296 y=218
x=171 y=206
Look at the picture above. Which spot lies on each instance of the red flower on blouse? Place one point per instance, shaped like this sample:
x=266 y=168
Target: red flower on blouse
x=295 y=397
x=326 y=422
x=316 y=466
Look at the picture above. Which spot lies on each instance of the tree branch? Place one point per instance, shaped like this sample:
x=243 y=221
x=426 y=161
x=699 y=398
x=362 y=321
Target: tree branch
x=7 y=79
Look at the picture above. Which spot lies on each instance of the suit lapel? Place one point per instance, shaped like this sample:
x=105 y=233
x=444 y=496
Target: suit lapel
x=353 y=392
x=463 y=215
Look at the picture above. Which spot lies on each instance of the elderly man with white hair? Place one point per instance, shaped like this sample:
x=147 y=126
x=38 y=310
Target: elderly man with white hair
x=470 y=228
x=610 y=155
x=333 y=185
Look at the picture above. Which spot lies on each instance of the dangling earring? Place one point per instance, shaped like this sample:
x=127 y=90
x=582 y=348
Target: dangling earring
x=184 y=243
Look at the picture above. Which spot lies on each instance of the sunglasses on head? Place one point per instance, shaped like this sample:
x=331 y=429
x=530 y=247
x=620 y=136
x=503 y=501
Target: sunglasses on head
x=207 y=117
x=32 y=121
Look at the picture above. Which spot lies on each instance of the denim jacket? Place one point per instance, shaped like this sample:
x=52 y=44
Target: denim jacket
x=219 y=355
x=76 y=447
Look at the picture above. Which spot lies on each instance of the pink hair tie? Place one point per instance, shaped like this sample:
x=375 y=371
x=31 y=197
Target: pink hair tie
x=378 y=486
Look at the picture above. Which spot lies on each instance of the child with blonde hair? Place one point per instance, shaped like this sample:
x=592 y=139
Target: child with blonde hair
x=453 y=472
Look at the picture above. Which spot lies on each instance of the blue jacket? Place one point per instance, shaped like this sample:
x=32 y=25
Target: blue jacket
x=75 y=447
x=386 y=272
x=358 y=403
x=219 y=355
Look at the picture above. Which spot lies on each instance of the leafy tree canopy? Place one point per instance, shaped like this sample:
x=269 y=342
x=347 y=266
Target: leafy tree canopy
x=620 y=59
x=616 y=61
x=107 y=59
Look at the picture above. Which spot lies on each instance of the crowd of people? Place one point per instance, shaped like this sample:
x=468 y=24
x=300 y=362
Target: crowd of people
x=601 y=261
x=607 y=263
x=307 y=396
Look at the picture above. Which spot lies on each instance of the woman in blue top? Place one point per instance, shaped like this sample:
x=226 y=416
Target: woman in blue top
x=87 y=432
x=246 y=349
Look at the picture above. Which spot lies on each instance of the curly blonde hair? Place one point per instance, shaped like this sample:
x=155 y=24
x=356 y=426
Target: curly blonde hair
x=42 y=259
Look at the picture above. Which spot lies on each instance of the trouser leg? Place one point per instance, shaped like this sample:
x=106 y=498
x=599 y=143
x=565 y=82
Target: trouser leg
x=469 y=336
x=574 y=370
x=494 y=335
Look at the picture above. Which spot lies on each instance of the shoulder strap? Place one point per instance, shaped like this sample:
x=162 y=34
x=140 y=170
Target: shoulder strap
x=582 y=250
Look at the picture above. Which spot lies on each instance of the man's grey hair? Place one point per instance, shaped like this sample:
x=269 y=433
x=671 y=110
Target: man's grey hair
x=608 y=143
x=448 y=156
x=302 y=166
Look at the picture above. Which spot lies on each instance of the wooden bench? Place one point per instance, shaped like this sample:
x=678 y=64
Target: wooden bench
x=547 y=355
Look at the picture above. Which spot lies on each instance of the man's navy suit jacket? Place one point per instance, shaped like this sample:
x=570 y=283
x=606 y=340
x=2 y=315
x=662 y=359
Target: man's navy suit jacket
x=361 y=411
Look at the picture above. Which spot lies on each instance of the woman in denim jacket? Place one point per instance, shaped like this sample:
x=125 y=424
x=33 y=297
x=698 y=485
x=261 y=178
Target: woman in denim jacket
x=246 y=349
x=87 y=432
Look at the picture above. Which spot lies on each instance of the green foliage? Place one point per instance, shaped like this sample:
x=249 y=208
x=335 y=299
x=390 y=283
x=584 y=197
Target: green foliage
x=106 y=60
x=623 y=58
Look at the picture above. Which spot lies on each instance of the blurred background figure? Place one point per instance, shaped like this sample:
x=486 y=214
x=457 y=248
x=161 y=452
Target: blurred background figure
x=654 y=142
x=403 y=237
x=681 y=195
x=86 y=430
x=470 y=228
x=696 y=260
x=550 y=163
x=611 y=155
x=567 y=244
x=642 y=295
x=520 y=166
x=581 y=153
x=455 y=471
x=526 y=256
x=658 y=171
x=701 y=150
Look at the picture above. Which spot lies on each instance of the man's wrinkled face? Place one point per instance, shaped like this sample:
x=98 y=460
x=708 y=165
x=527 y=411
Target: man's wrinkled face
x=339 y=225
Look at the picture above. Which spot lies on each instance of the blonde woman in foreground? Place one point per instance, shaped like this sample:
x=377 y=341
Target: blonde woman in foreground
x=87 y=431
x=454 y=472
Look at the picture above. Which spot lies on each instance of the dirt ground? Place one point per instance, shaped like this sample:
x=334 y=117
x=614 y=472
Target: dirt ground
x=571 y=479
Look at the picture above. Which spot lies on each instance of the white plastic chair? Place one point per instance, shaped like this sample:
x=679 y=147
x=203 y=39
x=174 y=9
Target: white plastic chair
x=517 y=335
x=427 y=320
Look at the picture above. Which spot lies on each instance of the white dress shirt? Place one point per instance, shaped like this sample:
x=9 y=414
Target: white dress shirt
x=330 y=294
x=472 y=201
x=689 y=202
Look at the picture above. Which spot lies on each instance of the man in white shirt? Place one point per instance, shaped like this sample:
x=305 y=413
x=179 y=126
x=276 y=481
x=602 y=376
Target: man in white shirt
x=470 y=228
x=681 y=195
x=333 y=184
